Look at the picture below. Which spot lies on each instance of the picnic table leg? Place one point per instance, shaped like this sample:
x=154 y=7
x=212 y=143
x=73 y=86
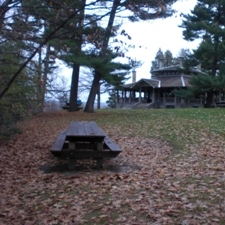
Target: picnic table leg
x=72 y=161
x=99 y=160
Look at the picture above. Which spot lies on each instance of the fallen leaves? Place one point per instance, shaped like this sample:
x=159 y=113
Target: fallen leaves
x=148 y=183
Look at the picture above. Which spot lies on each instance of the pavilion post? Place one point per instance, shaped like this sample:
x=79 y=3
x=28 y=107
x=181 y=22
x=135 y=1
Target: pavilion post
x=130 y=95
x=140 y=94
x=145 y=96
x=134 y=95
x=153 y=96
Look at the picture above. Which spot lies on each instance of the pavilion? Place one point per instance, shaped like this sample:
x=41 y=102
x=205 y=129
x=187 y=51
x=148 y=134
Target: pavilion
x=156 y=92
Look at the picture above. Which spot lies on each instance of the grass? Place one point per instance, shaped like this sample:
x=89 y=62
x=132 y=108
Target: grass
x=179 y=126
x=183 y=129
x=177 y=180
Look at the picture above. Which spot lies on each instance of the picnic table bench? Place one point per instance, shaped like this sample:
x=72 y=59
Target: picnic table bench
x=83 y=140
x=66 y=106
x=220 y=104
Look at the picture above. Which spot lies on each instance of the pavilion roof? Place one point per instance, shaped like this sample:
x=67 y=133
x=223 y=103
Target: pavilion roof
x=175 y=68
x=174 y=81
x=161 y=81
x=146 y=82
x=168 y=68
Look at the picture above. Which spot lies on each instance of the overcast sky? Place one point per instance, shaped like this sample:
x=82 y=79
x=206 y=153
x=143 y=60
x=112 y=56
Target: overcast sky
x=160 y=33
x=155 y=34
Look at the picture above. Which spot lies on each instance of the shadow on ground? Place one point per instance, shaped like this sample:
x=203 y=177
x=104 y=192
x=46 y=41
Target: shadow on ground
x=65 y=169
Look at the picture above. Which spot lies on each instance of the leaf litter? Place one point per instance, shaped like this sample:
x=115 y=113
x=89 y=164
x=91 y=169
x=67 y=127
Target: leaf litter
x=146 y=184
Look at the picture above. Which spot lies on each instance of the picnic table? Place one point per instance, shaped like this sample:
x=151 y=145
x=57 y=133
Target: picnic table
x=83 y=140
x=66 y=106
x=220 y=104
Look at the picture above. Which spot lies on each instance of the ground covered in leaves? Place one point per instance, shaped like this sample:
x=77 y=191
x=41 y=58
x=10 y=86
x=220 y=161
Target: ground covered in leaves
x=171 y=171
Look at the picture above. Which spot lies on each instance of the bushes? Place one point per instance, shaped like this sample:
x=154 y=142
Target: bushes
x=10 y=114
x=18 y=104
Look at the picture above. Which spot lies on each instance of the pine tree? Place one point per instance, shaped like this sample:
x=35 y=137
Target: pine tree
x=168 y=58
x=141 y=10
x=50 y=19
x=162 y=59
x=206 y=22
x=111 y=102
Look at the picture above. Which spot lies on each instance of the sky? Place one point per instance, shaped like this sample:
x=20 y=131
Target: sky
x=152 y=35
x=160 y=33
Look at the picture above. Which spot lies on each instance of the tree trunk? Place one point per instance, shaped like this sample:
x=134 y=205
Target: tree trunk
x=99 y=97
x=210 y=94
x=39 y=84
x=74 y=88
x=89 y=107
x=97 y=76
x=76 y=68
x=209 y=99
x=45 y=77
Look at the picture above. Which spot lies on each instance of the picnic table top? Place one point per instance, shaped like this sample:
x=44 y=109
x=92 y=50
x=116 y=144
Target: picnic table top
x=85 y=129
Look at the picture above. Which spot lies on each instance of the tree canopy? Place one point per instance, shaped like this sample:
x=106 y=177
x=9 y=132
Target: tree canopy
x=206 y=22
x=166 y=59
x=34 y=33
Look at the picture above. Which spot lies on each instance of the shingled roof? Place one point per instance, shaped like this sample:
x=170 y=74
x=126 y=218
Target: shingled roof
x=171 y=76
x=174 y=81
x=161 y=81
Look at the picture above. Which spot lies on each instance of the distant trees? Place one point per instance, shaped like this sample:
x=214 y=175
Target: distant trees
x=21 y=100
x=162 y=59
x=206 y=22
x=167 y=59
x=25 y=58
x=112 y=100
x=35 y=32
x=27 y=22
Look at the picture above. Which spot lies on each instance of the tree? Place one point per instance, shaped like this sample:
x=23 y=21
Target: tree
x=13 y=10
x=50 y=14
x=168 y=58
x=142 y=10
x=76 y=67
x=22 y=98
x=32 y=16
x=206 y=22
x=85 y=30
x=164 y=59
x=111 y=102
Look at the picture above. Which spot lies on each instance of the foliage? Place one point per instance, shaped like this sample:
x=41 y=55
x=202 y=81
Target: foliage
x=112 y=100
x=201 y=84
x=170 y=171
x=206 y=22
x=184 y=93
x=158 y=58
x=39 y=25
x=167 y=59
x=139 y=10
x=35 y=24
x=27 y=24
x=22 y=98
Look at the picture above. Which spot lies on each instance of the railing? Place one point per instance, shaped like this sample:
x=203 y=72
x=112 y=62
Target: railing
x=194 y=101
x=161 y=102
x=128 y=100
x=169 y=100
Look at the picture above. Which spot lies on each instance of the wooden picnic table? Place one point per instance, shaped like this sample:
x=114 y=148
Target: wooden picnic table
x=84 y=140
x=220 y=104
